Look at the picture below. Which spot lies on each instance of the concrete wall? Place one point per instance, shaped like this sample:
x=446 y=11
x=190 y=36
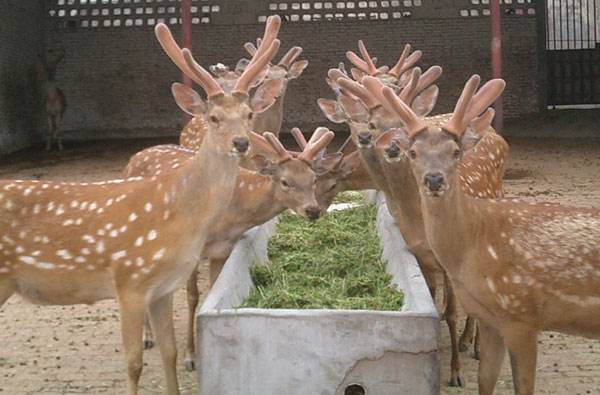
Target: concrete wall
x=117 y=79
x=21 y=40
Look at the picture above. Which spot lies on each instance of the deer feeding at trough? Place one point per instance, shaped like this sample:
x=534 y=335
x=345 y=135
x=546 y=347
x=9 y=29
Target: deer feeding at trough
x=136 y=240
x=282 y=180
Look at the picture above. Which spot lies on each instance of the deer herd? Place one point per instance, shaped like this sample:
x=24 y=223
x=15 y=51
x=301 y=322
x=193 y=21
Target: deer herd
x=515 y=268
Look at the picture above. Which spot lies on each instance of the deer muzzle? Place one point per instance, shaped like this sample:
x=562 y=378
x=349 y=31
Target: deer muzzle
x=241 y=144
x=434 y=183
x=364 y=139
x=313 y=212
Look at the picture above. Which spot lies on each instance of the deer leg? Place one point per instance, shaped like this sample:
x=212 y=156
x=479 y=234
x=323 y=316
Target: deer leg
x=430 y=280
x=50 y=132
x=522 y=349
x=216 y=265
x=451 y=318
x=148 y=337
x=476 y=349
x=7 y=288
x=193 y=296
x=467 y=336
x=161 y=318
x=492 y=356
x=58 y=134
x=132 y=323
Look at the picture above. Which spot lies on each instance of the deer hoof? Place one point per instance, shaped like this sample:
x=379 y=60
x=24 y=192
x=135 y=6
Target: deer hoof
x=456 y=381
x=476 y=355
x=148 y=344
x=190 y=366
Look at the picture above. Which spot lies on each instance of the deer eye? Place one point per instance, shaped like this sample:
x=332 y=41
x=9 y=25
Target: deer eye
x=371 y=125
x=285 y=184
x=456 y=153
x=250 y=115
x=213 y=119
x=412 y=153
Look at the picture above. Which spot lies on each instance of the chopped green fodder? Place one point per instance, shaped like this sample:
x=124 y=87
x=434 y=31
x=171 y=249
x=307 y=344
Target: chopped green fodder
x=333 y=263
x=349 y=197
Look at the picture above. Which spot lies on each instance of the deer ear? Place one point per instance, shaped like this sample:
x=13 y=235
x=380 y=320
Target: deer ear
x=424 y=103
x=332 y=110
x=327 y=163
x=296 y=69
x=241 y=66
x=265 y=95
x=398 y=136
x=469 y=139
x=260 y=146
x=263 y=165
x=188 y=99
x=355 y=109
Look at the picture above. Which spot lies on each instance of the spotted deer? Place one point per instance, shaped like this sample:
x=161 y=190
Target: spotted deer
x=133 y=240
x=281 y=182
x=276 y=78
x=520 y=268
x=55 y=102
x=366 y=104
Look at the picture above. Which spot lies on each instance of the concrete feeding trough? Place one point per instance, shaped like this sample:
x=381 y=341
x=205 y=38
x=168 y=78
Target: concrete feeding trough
x=341 y=352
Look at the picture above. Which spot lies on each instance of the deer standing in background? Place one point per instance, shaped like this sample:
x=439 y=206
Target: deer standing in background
x=281 y=182
x=138 y=239
x=55 y=102
x=520 y=268
x=362 y=105
x=276 y=78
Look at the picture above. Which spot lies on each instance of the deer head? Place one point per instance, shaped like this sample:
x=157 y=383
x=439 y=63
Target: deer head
x=362 y=107
x=293 y=174
x=48 y=63
x=226 y=113
x=435 y=150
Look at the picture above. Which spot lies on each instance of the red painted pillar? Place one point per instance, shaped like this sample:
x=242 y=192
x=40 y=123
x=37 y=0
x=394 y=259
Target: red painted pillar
x=186 y=30
x=496 y=49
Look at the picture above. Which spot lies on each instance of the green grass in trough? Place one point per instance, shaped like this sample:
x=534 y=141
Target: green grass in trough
x=332 y=263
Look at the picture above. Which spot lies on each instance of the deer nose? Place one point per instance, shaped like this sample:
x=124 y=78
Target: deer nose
x=364 y=138
x=434 y=181
x=241 y=144
x=313 y=212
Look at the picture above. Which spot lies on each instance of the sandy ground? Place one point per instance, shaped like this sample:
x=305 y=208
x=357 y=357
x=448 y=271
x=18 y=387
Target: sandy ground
x=76 y=349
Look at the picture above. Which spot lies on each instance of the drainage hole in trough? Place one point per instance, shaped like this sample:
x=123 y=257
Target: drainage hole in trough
x=355 y=389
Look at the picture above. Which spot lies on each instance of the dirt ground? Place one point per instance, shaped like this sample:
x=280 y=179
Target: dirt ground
x=76 y=349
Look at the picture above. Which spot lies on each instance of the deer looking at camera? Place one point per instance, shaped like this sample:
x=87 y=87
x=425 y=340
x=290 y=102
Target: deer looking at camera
x=368 y=119
x=519 y=268
x=55 y=102
x=281 y=182
x=275 y=78
x=134 y=240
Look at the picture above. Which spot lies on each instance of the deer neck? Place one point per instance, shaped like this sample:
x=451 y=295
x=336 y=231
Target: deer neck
x=359 y=179
x=254 y=199
x=450 y=220
x=203 y=188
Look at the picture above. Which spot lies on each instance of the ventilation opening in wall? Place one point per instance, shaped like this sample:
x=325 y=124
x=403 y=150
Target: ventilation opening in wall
x=316 y=11
x=71 y=14
x=355 y=389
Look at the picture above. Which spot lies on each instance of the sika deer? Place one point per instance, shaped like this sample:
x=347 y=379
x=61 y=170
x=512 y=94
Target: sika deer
x=520 y=268
x=281 y=182
x=55 y=102
x=134 y=240
x=393 y=178
x=276 y=79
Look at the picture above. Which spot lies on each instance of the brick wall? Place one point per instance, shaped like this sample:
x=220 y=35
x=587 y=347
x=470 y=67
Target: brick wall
x=21 y=40
x=117 y=79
